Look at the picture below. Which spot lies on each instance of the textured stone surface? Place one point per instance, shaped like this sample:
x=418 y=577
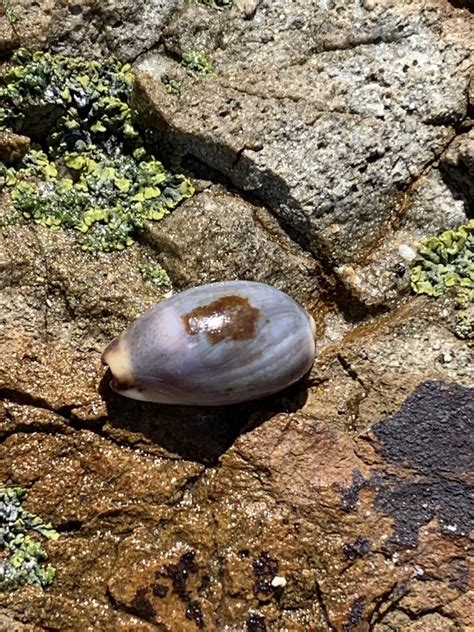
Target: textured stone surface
x=8 y=36
x=458 y=167
x=181 y=548
x=174 y=519
x=329 y=112
x=342 y=503
x=13 y=146
x=217 y=236
x=92 y=491
x=10 y=625
x=89 y=28
x=59 y=308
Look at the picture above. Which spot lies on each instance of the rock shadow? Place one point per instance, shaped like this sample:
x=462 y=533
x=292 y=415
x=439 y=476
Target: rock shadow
x=196 y=433
x=458 y=178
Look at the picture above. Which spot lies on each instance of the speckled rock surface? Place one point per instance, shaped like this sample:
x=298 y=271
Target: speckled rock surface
x=329 y=112
x=89 y=28
x=343 y=503
x=339 y=504
x=8 y=36
x=59 y=308
x=10 y=625
x=217 y=236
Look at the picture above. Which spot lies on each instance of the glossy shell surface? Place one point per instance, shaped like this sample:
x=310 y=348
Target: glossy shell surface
x=214 y=344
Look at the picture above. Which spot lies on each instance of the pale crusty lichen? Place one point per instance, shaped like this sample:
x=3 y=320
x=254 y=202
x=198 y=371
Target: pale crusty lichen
x=22 y=557
x=446 y=261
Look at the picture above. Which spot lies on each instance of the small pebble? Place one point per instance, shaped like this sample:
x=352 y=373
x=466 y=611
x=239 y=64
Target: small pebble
x=406 y=252
x=278 y=582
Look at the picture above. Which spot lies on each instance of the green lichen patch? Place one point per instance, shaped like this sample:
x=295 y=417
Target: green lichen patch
x=446 y=261
x=172 y=86
x=22 y=558
x=217 y=5
x=196 y=63
x=92 y=171
x=10 y=12
x=84 y=99
x=104 y=198
x=156 y=274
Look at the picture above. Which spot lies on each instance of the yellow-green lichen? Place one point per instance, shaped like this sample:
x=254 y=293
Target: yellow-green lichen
x=92 y=171
x=156 y=274
x=196 y=63
x=22 y=558
x=10 y=12
x=172 y=86
x=446 y=261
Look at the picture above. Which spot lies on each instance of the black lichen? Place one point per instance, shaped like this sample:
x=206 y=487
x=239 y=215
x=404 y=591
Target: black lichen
x=142 y=605
x=265 y=568
x=354 y=550
x=159 y=590
x=179 y=575
x=350 y=495
x=355 y=614
x=461 y=579
x=431 y=436
x=256 y=623
x=194 y=613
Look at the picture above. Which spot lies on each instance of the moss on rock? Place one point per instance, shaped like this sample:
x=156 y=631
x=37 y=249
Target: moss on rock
x=196 y=63
x=172 y=86
x=91 y=170
x=156 y=274
x=446 y=261
x=22 y=558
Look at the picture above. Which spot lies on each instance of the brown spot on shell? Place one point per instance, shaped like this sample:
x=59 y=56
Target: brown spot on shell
x=229 y=317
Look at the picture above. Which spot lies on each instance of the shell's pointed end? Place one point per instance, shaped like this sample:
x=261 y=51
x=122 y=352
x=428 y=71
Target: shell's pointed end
x=117 y=357
x=108 y=351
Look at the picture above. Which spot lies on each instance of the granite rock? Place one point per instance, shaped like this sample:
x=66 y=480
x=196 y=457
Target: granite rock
x=217 y=236
x=88 y=28
x=339 y=134
x=329 y=113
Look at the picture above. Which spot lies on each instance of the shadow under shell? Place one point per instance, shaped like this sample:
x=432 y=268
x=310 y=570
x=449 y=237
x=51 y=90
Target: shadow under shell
x=196 y=433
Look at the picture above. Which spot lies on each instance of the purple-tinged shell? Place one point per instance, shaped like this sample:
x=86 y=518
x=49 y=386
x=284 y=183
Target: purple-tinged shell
x=214 y=344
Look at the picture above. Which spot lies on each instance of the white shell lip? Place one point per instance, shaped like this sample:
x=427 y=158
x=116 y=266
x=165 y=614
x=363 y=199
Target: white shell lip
x=117 y=357
x=140 y=390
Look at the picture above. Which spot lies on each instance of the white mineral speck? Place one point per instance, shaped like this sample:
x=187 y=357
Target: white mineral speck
x=406 y=252
x=278 y=582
